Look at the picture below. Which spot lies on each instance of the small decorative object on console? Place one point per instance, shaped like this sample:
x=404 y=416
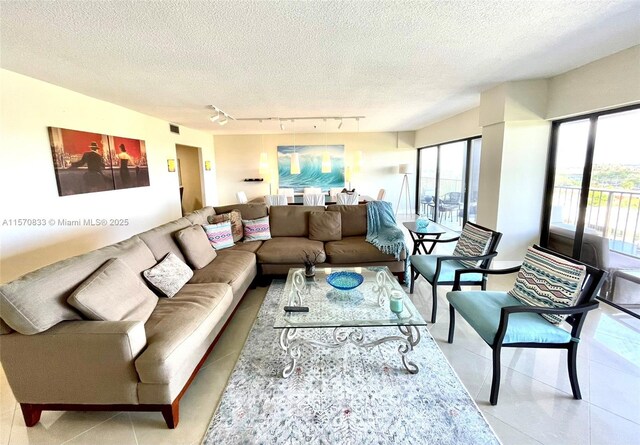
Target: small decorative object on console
x=422 y=222
x=345 y=280
x=310 y=262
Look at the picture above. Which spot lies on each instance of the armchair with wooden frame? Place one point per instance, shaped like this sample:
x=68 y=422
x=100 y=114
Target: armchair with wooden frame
x=504 y=321
x=440 y=269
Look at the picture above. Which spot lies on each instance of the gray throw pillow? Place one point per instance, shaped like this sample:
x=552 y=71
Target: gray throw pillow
x=169 y=275
x=195 y=246
x=114 y=293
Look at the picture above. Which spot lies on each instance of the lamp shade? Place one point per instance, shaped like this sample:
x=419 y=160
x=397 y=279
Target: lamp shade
x=405 y=169
x=263 y=166
x=347 y=174
x=326 y=162
x=295 y=164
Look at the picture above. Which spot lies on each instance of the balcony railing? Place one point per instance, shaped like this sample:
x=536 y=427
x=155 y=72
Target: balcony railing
x=614 y=214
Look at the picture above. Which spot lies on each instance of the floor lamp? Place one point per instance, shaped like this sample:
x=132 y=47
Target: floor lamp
x=404 y=169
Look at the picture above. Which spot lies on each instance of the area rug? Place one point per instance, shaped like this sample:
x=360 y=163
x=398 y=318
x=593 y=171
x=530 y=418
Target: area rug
x=342 y=396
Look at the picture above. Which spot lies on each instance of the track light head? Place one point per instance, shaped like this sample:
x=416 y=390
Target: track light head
x=340 y=124
x=224 y=120
x=281 y=126
x=215 y=117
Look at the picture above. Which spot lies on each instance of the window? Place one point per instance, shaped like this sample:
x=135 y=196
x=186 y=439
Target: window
x=448 y=176
x=592 y=208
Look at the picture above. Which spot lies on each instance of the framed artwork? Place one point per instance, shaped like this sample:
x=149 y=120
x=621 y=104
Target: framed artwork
x=92 y=162
x=311 y=161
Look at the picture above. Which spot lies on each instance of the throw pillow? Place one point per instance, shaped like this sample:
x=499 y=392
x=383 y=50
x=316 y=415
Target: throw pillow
x=235 y=217
x=256 y=229
x=114 y=293
x=169 y=275
x=546 y=280
x=195 y=246
x=219 y=235
x=325 y=226
x=473 y=241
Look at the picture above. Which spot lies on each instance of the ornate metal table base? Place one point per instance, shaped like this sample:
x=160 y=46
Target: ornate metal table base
x=354 y=335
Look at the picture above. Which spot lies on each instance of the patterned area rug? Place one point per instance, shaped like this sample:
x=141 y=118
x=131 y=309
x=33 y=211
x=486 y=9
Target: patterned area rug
x=348 y=395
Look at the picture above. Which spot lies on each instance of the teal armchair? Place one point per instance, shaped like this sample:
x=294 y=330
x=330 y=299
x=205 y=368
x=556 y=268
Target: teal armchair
x=504 y=321
x=440 y=269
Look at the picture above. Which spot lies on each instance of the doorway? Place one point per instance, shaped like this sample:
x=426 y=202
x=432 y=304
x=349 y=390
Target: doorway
x=190 y=177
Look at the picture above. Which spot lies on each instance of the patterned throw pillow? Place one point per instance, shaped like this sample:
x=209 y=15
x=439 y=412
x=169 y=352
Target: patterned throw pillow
x=546 y=280
x=219 y=235
x=235 y=217
x=256 y=229
x=473 y=241
x=169 y=275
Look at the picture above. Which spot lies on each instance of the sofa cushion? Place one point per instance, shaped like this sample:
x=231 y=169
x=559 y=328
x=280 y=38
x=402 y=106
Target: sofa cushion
x=219 y=234
x=195 y=246
x=232 y=267
x=356 y=250
x=160 y=239
x=325 y=226
x=168 y=276
x=200 y=216
x=114 y=293
x=248 y=211
x=354 y=219
x=473 y=241
x=248 y=246
x=291 y=220
x=256 y=229
x=38 y=300
x=289 y=250
x=235 y=218
x=546 y=280
x=482 y=310
x=177 y=331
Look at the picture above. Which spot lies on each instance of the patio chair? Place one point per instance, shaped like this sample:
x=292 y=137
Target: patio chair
x=509 y=319
x=475 y=248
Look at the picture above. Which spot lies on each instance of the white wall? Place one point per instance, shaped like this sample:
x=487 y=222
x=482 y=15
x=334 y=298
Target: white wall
x=611 y=82
x=460 y=126
x=28 y=184
x=237 y=158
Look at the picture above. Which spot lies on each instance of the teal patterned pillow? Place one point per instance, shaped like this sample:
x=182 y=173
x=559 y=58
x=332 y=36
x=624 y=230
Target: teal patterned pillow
x=473 y=241
x=545 y=280
x=220 y=235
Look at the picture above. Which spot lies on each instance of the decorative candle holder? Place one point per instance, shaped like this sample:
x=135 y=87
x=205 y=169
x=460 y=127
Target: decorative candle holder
x=396 y=303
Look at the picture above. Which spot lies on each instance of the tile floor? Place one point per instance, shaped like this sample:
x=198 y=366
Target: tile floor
x=535 y=406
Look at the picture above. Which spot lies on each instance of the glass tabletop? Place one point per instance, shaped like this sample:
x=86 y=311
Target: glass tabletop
x=432 y=229
x=367 y=305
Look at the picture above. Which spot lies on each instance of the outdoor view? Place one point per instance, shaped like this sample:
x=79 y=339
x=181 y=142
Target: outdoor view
x=612 y=217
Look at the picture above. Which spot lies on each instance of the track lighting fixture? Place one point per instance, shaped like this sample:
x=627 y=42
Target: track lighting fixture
x=340 y=124
x=224 y=119
x=281 y=125
x=215 y=117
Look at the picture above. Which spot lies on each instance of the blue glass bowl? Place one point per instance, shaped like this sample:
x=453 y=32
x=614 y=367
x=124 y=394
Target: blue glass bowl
x=345 y=280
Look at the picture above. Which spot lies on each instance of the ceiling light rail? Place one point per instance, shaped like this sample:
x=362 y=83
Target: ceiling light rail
x=223 y=118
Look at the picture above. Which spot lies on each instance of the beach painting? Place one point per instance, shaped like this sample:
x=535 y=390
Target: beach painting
x=311 y=167
x=92 y=162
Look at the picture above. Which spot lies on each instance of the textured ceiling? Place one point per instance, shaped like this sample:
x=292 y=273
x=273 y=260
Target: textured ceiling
x=401 y=64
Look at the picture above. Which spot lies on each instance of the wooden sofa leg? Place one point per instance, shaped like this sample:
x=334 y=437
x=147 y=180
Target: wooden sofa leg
x=171 y=414
x=31 y=413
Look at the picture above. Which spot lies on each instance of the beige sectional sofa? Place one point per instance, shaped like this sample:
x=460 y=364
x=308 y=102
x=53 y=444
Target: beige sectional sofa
x=56 y=360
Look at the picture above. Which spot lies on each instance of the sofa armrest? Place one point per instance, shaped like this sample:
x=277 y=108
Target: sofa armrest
x=89 y=362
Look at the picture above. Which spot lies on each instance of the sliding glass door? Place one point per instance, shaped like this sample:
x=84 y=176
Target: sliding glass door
x=448 y=182
x=592 y=209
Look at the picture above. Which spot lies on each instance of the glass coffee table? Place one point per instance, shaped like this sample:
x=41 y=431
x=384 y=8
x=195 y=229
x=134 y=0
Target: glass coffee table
x=348 y=313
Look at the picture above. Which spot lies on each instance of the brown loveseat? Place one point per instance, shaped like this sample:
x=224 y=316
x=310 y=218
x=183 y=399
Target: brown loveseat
x=55 y=359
